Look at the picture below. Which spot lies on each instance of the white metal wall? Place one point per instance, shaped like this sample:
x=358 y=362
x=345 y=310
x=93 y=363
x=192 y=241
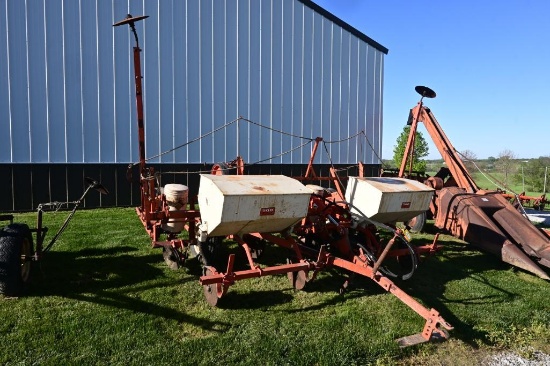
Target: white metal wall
x=67 y=94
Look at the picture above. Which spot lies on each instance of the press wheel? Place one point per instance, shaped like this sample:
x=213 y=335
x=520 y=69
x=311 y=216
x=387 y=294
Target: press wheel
x=300 y=280
x=297 y=279
x=212 y=292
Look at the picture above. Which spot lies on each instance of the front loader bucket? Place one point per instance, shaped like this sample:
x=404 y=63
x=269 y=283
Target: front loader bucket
x=491 y=223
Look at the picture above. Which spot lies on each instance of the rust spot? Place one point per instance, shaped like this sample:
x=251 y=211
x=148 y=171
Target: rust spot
x=259 y=188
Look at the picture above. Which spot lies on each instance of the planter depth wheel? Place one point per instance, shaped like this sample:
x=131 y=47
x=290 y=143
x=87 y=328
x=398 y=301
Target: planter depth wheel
x=212 y=292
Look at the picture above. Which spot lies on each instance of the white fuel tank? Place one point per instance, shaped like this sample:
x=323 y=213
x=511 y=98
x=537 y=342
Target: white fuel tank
x=240 y=204
x=386 y=199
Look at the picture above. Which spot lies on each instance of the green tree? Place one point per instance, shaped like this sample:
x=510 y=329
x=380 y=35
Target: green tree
x=420 y=150
x=490 y=165
x=534 y=171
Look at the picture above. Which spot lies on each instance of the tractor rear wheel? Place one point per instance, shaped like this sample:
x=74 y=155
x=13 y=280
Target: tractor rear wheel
x=16 y=250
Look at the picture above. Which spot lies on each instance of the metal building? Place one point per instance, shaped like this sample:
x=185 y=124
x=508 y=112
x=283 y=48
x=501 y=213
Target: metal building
x=67 y=100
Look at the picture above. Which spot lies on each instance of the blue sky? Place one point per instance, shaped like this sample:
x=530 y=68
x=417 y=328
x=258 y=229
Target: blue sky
x=488 y=62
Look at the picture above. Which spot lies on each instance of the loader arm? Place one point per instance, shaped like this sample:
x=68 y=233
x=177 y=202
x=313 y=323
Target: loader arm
x=420 y=113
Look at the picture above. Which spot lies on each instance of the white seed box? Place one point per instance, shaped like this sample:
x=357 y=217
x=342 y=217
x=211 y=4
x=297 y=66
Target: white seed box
x=240 y=204
x=386 y=199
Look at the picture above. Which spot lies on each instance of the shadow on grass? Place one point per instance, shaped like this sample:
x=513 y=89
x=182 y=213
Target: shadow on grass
x=430 y=228
x=457 y=261
x=254 y=300
x=111 y=277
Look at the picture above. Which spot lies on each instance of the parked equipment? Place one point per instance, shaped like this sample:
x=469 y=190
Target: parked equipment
x=315 y=225
x=483 y=218
x=17 y=252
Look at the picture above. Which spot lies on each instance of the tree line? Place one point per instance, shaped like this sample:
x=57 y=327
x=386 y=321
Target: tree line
x=531 y=174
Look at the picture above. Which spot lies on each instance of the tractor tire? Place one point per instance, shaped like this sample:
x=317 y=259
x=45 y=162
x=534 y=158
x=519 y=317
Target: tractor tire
x=16 y=249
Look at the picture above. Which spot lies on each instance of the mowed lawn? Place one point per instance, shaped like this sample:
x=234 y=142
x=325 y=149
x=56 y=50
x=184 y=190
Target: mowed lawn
x=104 y=296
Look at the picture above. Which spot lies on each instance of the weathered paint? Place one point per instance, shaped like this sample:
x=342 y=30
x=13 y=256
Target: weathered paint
x=241 y=204
x=489 y=222
x=388 y=199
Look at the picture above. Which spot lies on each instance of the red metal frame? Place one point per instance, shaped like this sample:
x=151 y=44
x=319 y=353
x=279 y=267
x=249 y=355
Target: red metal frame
x=443 y=144
x=537 y=203
x=311 y=260
x=236 y=166
x=154 y=211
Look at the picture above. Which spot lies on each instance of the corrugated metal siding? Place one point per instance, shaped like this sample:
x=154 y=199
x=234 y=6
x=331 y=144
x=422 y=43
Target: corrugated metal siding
x=66 y=81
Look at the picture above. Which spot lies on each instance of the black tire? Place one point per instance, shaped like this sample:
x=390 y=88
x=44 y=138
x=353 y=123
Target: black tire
x=417 y=223
x=16 y=249
x=171 y=258
x=212 y=253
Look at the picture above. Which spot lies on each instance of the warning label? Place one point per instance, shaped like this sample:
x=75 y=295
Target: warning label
x=266 y=211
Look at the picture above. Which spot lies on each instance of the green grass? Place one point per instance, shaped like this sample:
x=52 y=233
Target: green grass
x=103 y=296
x=488 y=182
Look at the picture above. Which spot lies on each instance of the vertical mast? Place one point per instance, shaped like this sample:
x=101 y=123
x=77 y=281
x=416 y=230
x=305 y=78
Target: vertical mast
x=139 y=99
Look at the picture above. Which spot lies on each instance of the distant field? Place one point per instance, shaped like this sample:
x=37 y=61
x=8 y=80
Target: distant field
x=494 y=180
x=103 y=296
